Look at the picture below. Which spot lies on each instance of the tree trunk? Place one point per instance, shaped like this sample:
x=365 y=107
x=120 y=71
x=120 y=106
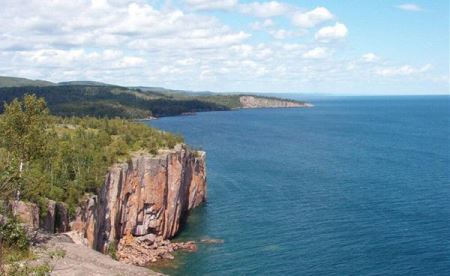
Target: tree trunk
x=18 y=188
x=20 y=168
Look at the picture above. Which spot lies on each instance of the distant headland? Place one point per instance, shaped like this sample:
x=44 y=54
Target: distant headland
x=91 y=98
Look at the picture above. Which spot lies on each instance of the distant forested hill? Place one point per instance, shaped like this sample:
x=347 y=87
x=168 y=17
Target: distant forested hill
x=108 y=101
x=87 y=98
x=17 y=82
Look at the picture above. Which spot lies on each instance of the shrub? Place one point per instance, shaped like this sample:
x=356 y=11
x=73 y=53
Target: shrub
x=111 y=250
x=13 y=235
x=25 y=270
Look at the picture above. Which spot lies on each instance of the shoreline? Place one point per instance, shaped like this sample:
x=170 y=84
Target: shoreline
x=304 y=105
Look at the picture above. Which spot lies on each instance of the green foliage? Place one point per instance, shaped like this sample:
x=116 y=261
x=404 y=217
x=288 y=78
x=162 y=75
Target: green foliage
x=111 y=250
x=109 y=101
x=13 y=235
x=15 y=251
x=229 y=101
x=25 y=135
x=9 y=175
x=24 y=128
x=67 y=157
x=17 y=269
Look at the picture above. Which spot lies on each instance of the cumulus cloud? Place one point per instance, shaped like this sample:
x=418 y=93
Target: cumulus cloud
x=311 y=18
x=281 y=33
x=370 y=58
x=405 y=70
x=338 y=31
x=211 y=4
x=132 y=42
x=316 y=53
x=100 y=24
x=261 y=25
x=131 y=61
x=264 y=9
x=409 y=7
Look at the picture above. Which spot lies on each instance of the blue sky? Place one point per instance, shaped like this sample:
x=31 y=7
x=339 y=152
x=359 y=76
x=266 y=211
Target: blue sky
x=335 y=47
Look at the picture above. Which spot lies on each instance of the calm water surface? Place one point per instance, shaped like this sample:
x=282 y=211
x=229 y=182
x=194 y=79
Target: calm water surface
x=353 y=186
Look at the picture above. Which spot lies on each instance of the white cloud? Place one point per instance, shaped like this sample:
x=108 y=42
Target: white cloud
x=100 y=24
x=316 y=53
x=130 y=61
x=132 y=42
x=311 y=18
x=212 y=4
x=409 y=7
x=405 y=70
x=243 y=50
x=261 y=25
x=187 y=61
x=370 y=58
x=264 y=9
x=99 y=4
x=169 y=69
x=338 y=31
x=188 y=41
x=281 y=33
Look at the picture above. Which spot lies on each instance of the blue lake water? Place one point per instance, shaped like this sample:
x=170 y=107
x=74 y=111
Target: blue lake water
x=353 y=186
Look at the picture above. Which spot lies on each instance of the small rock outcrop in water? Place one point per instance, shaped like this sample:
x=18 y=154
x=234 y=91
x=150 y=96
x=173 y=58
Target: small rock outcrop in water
x=143 y=203
x=262 y=102
x=149 y=248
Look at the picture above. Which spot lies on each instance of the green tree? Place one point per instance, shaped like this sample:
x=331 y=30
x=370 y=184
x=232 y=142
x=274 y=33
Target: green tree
x=24 y=128
x=9 y=176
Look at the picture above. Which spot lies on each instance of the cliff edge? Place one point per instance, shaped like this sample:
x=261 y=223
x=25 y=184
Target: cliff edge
x=142 y=204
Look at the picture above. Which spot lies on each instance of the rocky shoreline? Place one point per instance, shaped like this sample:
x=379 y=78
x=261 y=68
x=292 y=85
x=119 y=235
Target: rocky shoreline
x=149 y=249
x=252 y=102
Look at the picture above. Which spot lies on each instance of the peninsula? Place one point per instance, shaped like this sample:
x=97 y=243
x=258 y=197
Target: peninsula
x=87 y=98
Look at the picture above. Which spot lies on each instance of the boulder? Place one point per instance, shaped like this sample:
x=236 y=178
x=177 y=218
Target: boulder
x=143 y=251
x=27 y=213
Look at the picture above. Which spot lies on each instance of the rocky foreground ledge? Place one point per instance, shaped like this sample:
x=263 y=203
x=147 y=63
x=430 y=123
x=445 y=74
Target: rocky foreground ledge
x=143 y=204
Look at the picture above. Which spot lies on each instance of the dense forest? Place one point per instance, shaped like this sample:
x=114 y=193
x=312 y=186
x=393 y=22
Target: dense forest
x=109 y=101
x=47 y=157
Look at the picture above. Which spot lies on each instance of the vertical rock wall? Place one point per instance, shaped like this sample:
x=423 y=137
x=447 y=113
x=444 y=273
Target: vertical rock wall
x=148 y=195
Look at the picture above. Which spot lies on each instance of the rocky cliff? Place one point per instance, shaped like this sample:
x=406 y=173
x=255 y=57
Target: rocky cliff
x=149 y=196
x=263 y=102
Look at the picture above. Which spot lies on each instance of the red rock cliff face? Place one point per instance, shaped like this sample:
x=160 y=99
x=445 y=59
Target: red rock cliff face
x=148 y=195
